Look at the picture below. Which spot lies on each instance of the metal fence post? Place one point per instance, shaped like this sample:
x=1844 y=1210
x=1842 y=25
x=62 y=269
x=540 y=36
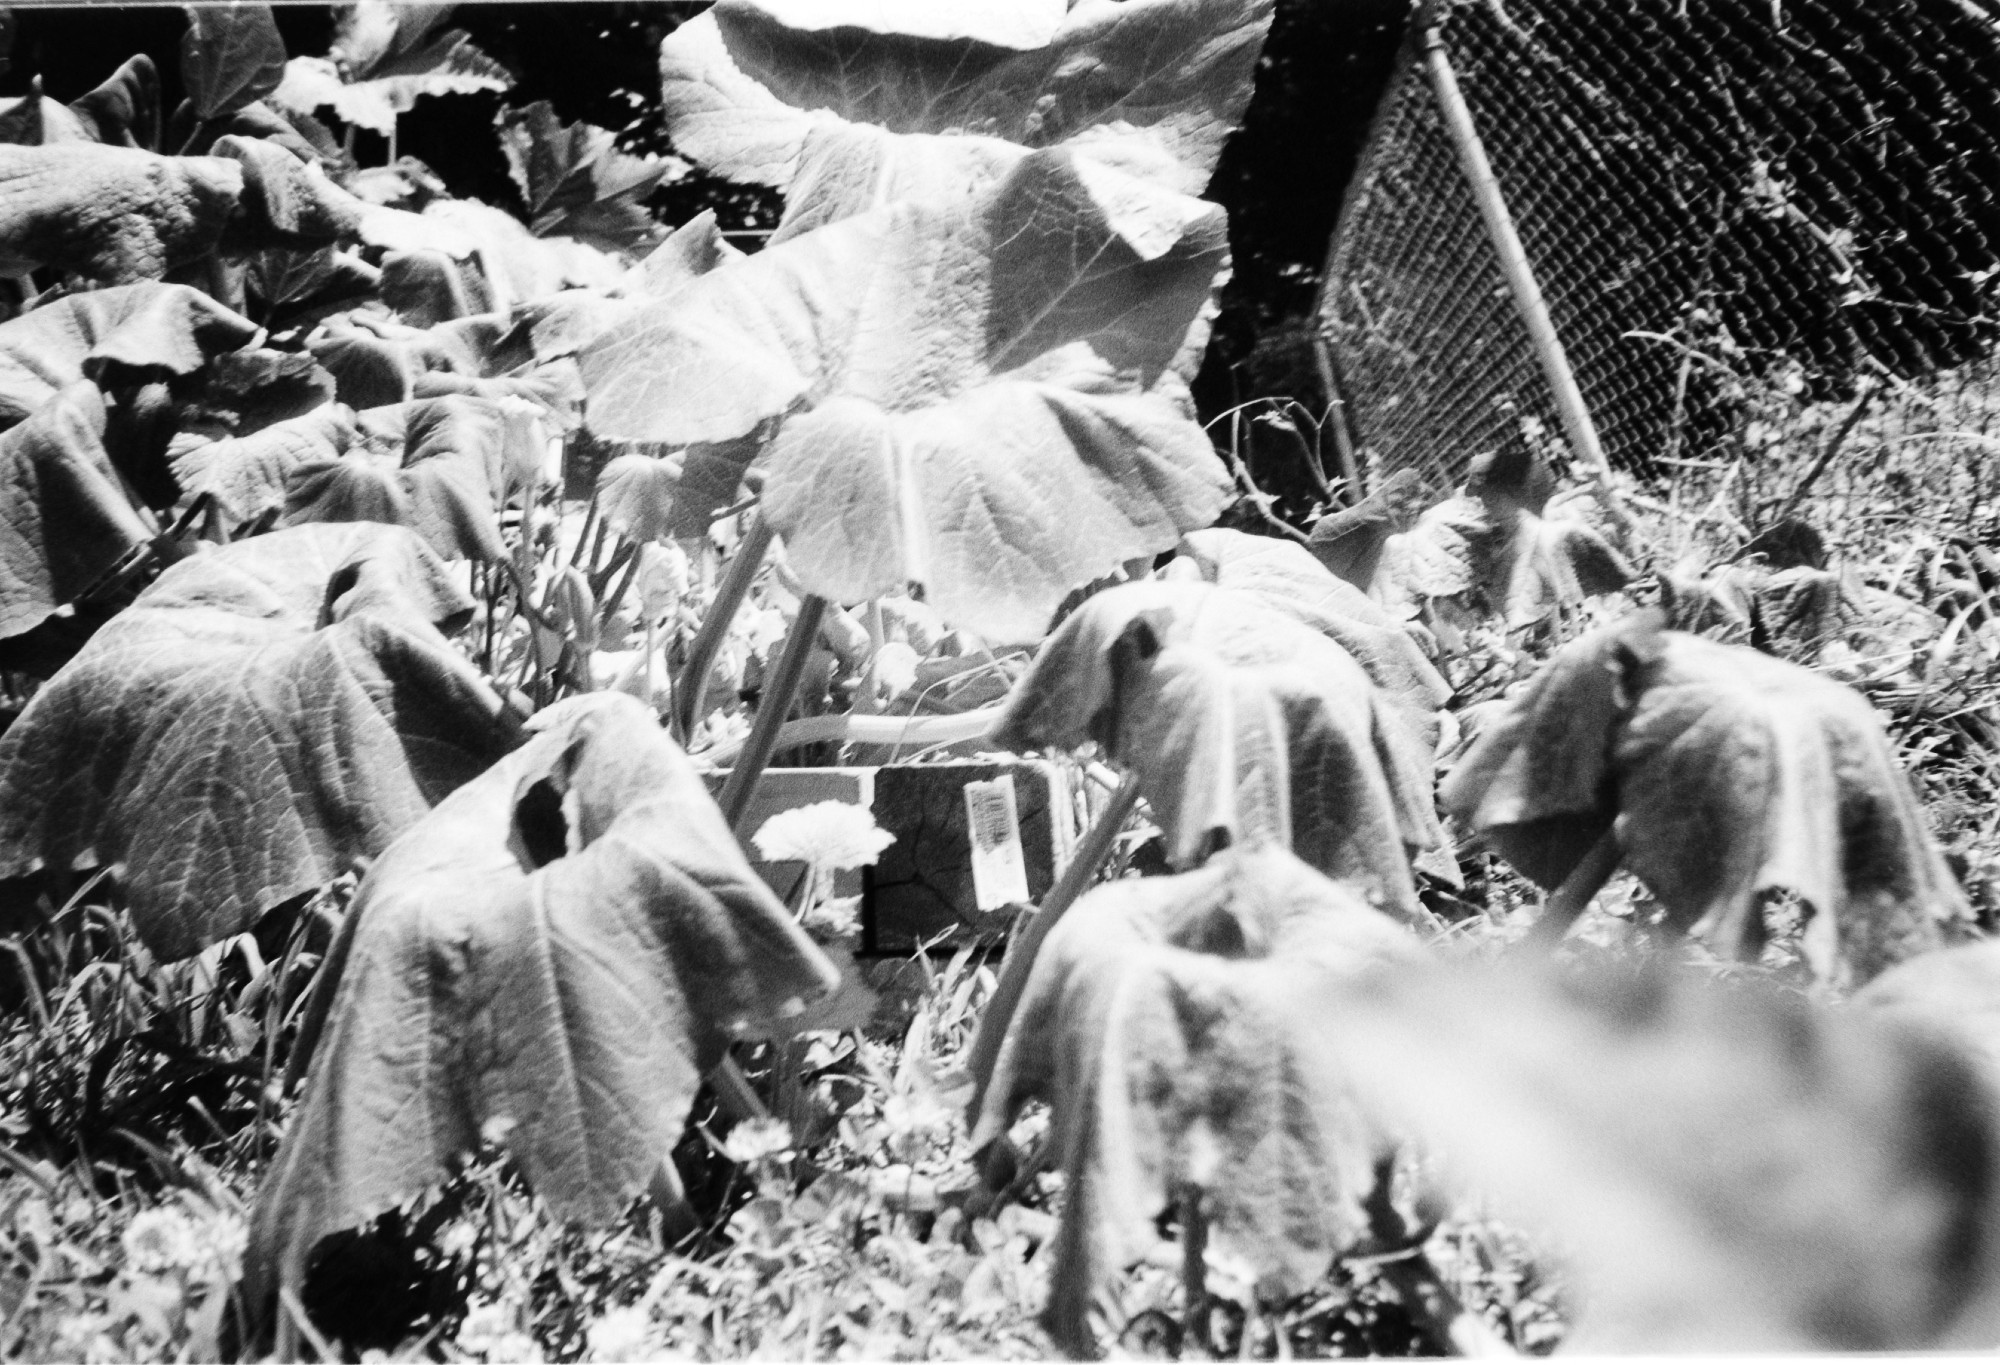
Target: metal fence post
x=1577 y=424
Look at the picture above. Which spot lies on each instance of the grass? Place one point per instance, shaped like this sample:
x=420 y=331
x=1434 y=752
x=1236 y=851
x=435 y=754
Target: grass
x=139 y=1101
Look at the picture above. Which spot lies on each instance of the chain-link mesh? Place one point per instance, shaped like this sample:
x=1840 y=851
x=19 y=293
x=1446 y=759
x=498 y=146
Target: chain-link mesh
x=1706 y=189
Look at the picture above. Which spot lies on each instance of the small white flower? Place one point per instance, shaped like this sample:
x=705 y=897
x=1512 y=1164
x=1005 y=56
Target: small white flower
x=161 y=1240
x=896 y=668
x=620 y=1334
x=827 y=834
x=756 y=1139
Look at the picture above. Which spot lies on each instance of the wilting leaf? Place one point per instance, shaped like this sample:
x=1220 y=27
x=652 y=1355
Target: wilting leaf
x=124 y=111
x=1724 y=775
x=1395 y=549
x=1243 y=726
x=1160 y=1027
x=558 y=952
x=1287 y=576
x=245 y=475
x=115 y=337
x=981 y=400
x=1791 y=612
x=246 y=390
x=1505 y=539
x=870 y=104
x=231 y=56
x=113 y=214
x=65 y=519
x=576 y=183
x=35 y=120
x=258 y=719
x=375 y=361
x=447 y=486
x=287 y=201
x=1726 y=1170
x=636 y=495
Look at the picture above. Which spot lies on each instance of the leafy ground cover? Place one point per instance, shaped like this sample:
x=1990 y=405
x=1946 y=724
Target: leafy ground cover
x=1457 y=957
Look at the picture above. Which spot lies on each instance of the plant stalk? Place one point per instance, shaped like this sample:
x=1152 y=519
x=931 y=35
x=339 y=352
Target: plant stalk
x=999 y=1013
x=692 y=687
x=1570 y=899
x=780 y=687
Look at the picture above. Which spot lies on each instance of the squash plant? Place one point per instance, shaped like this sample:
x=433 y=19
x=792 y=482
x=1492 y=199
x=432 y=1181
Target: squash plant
x=293 y=555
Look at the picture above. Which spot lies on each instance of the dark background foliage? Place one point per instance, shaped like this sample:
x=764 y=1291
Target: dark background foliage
x=1282 y=178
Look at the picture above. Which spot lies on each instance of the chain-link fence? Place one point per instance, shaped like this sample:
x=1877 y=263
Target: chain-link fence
x=1800 y=192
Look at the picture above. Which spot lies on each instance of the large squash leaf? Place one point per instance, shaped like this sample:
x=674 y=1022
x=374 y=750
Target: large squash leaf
x=1286 y=575
x=245 y=476
x=125 y=109
x=1727 y=1171
x=113 y=214
x=257 y=720
x=557 y=953
x=849 y=106
x=1160 y=1026
x=1724 y=775
x=983 y=400
x=130 y=335
x=1243 y=727
x=65 y=518
x=447 y=484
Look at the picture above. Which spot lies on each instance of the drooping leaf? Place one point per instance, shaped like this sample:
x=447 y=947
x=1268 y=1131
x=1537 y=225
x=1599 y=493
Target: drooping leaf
x=1286 y=575
x=246 y=475
x=1243 y=726
x=1726 y=1170
x=246 y=390
x=65 y=518
x=231 y=56
x=557 y=954
x=259 y=718
x=287 y=201
x=636 y=495
x=982 y=400
x=575 y=181
x=1159 y=1026
x=1724 y=775
x=1507 y=543
x=115 y=337
x=111 y=213
x=375 y=361
x=1395 y=549
x=35 y=120
x=845 y=110
x=447 y=484
x=1791 y=612
x=124 y=111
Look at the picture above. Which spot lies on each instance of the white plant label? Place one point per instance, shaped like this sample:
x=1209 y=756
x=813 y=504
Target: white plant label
x=999 y=872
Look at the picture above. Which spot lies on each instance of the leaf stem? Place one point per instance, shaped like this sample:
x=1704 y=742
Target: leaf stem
x=1570 y=899
x=1194 y=1271
x=1020 y=959
x=692 y=686
x=780 y=687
